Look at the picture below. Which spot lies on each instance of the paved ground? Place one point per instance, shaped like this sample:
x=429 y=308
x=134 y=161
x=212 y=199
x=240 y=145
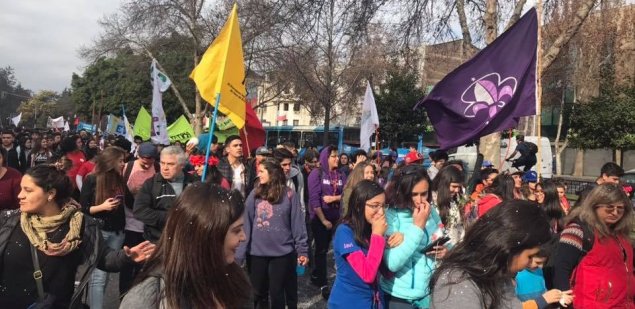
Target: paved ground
x=309 y=295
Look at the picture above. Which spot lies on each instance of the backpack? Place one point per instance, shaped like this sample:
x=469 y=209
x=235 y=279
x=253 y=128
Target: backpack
x=533 y=148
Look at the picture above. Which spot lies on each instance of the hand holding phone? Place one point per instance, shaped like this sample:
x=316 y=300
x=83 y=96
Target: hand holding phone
x=438 y=242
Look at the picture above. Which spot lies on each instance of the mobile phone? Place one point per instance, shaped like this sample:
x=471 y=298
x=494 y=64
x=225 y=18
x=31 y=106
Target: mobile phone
x=439 y=242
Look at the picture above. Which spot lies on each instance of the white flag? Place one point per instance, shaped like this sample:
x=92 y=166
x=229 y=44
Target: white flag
x=128 y=129
x=66 y=126
x=160 y=83
x=16 y=119
x=164 y=81
x=56 y=123
x=370 y=120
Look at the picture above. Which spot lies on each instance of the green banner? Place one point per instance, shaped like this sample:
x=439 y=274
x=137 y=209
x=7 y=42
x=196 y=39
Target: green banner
x=180 y=130
x=143 y=124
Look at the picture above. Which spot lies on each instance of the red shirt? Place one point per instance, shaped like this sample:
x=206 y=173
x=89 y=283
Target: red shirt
x=78 y=158
x=9 y=189
x=86 y=168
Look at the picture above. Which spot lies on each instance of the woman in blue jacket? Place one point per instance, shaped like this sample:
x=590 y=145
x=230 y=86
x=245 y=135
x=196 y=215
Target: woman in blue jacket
x=410 y=214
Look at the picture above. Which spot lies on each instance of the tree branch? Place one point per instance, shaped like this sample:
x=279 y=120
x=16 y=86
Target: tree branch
x=580 y=16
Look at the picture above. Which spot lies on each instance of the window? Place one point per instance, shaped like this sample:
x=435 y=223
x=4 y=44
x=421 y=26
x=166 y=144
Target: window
x=285 y=122
x=296 y=122
x=296 y=107
x=286 y=107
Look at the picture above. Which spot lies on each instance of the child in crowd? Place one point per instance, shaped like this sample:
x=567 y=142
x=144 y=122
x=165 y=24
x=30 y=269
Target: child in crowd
x=530 y=283
x=359 y=246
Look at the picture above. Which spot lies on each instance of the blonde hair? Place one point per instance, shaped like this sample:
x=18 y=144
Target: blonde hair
x=604 y=194
x=357 y=175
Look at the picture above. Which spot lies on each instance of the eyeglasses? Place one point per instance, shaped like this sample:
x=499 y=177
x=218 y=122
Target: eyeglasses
x=376 y=207
x=611 y=208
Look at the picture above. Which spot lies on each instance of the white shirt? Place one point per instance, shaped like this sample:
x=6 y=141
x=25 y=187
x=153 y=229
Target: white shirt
x=238 y=182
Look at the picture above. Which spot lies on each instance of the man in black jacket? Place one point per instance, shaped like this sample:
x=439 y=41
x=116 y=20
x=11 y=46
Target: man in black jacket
x=15 y=156
x=157 y=195
x=235 y=170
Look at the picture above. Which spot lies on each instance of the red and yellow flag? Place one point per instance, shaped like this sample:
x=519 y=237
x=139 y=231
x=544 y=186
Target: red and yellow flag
x=222 y=71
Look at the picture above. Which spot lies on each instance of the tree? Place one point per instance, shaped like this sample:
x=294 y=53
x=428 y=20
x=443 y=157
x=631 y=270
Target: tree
x=36 y=110
x=398 y=122
x=11 y=94
x=606 y=121
x=584 y=70
x=107 y=83
x=322 y=57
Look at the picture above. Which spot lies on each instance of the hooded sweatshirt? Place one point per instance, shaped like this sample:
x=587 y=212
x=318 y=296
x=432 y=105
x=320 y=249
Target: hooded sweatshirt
x=295 y=181
x=322 y=182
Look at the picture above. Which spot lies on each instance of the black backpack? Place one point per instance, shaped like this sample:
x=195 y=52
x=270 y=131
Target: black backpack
x=533 y=148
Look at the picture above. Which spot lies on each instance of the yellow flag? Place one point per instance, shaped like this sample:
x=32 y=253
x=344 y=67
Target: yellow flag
x=222 y=71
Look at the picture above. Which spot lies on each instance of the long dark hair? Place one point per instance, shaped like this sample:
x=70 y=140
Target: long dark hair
x=273 y=190
x=489 y=245
x=503 y=187
x=355 y=215
x=108 y=179
x=190 y=252
x=399 y=190
x=551 y=204
x=441 y=185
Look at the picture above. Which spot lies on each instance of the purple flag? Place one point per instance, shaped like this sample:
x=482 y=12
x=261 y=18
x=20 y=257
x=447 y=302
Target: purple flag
x=491 y=91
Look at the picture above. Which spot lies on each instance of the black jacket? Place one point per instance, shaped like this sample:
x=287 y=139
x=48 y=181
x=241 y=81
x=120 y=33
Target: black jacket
x=15 y=159
x=249 y=175
x=93 y=252
x=152 y=203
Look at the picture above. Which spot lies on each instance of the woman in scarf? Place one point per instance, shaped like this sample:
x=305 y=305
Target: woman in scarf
x=50 y=224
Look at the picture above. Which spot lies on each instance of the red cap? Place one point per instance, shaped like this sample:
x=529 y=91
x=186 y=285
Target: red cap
x=413 y=157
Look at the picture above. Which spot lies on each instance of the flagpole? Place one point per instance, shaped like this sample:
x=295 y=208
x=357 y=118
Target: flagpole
x=377 y=149
x=211 y=134
x=247 y=141
x=539 y=88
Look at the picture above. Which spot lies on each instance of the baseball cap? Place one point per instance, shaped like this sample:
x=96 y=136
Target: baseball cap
x=530 y=176
x=413 y=157
x=487 y=163
x=263 y=151
x=147 y=150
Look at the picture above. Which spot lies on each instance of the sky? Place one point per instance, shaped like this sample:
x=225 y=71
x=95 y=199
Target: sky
x=40 y=39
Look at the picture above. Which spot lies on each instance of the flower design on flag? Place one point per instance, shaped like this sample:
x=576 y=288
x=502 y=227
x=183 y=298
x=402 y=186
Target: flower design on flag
x=490 y=93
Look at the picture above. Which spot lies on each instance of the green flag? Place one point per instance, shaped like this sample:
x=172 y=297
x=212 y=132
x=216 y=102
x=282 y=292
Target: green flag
x=180 y=130
x=143 y=124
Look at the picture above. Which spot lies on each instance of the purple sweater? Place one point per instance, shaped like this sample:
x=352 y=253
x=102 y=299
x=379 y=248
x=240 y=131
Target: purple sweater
x=273 y=230
x=323 y=182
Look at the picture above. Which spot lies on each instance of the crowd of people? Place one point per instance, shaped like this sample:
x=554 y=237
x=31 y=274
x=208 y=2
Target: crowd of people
x=403 y=236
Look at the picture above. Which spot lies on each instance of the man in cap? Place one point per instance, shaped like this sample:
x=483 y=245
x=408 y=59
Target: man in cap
x=531 y=179
x=136 y=173
x=413 y=157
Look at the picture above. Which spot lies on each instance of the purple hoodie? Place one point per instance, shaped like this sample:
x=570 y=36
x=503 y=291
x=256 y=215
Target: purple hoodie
x=323 y=182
